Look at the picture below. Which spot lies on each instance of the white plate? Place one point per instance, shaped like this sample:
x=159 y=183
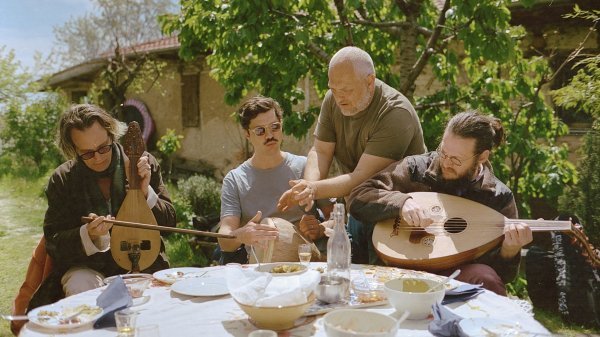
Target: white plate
x=45 y=316
x=205 y=286
x=268 y=267
x=483 y=326
x=177 y=274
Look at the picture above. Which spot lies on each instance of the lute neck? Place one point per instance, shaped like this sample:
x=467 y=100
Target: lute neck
x=544 y=225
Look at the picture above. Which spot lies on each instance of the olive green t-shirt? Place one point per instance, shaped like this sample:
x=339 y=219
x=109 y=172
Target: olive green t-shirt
x=389 y=127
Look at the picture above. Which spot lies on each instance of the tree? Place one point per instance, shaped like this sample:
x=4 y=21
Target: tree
x=583 y=94
x=113 y=32
x=112 y=24
x=469 y=45
x=14 y=81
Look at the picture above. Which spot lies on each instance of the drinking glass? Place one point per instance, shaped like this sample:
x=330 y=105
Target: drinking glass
x=304 y=253
x=125 y=320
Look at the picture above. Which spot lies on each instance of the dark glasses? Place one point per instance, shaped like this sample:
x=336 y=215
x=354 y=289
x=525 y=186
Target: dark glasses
x=261 y=130
x=101 y=150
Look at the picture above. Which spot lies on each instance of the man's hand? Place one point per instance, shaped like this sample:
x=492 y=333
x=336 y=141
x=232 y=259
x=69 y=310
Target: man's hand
x=303 y=193
x=145 y=172
x=516 y=235
x=414 y=215
x=255 y=233
x=310 y=227
x=97 y=227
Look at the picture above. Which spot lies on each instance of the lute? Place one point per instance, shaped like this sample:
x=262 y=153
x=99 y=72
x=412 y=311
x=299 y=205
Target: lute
x=134 y=249
x=462 y=231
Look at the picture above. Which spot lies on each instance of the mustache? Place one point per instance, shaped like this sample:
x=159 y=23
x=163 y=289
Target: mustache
x=271 y=140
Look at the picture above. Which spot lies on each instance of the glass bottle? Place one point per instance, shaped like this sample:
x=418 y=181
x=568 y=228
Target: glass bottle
x=338 y=252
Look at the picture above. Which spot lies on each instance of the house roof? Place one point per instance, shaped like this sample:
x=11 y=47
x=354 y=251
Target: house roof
x=85 y=71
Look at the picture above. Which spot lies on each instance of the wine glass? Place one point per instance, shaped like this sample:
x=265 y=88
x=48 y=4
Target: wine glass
x=304 y=253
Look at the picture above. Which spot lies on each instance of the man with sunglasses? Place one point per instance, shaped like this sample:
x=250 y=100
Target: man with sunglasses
x=459 y=167
x=92 y=183
x=250 y=191
x=365 y=125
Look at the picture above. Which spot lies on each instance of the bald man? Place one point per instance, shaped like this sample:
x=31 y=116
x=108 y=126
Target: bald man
x=365 y=125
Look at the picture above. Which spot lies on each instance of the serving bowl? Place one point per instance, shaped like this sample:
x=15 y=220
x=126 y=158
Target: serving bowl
x=276 y=318
x=359 y=323
x=409 y=294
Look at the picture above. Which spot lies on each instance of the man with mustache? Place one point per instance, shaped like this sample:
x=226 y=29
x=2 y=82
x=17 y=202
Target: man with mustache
x=459 y=167
x=365 y=125
x=250 y=191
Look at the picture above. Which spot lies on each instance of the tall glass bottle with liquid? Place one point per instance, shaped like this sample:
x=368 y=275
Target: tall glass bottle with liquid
x=338 y=251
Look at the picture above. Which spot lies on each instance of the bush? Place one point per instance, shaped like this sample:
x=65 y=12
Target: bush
x=582 y=199
x=202 y=193
x=28 y=134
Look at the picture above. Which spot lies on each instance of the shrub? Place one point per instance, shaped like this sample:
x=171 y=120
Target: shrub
x=27 y=136
x=582 y=199
x=202 y=193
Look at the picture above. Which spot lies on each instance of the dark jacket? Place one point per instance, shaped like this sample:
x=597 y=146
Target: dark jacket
x=66 y=205
x=383 y=196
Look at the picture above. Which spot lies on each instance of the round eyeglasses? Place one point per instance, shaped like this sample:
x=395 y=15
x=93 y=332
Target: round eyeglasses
x=454 y=160
x=101 y=150
x=261 y=130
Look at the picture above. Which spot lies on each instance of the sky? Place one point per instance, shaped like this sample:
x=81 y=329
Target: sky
x=27 y=25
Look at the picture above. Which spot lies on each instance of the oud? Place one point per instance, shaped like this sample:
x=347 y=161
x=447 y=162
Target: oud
x=462 y=231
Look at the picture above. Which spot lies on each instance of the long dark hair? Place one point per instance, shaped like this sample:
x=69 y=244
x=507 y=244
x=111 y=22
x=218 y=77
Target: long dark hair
x=487 y=131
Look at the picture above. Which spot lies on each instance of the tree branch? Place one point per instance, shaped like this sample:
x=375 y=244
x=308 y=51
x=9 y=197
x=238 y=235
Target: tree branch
x=428 y=51
x=318 y=52
x=339 y=5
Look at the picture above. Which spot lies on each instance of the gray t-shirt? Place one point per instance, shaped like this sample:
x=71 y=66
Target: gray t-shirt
x=247 y=190
x=389 y=127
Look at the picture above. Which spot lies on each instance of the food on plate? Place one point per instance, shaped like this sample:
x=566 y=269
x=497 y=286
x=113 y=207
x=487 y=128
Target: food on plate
x=286 y=268
x=84 y=313
x=415 y=286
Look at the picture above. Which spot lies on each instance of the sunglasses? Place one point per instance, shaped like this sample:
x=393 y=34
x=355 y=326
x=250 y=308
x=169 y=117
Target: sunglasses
x=261 y=130
x=101 y=150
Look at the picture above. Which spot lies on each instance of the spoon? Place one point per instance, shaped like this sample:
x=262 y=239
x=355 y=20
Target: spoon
x=254 y=254
x=451 y=277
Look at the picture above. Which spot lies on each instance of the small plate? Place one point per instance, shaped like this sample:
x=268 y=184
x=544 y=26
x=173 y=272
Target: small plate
x=46 y=316
x=205 y=286
x=173 y=275
x=484 y=326
x=268 y=268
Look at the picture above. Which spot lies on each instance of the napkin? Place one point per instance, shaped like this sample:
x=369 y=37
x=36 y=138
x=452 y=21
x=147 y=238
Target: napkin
x=462 y=293
x=445 y=322
x=262 y=289
x=115 y=297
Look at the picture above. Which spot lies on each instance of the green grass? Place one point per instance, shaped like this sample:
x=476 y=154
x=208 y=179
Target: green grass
x=22 y=207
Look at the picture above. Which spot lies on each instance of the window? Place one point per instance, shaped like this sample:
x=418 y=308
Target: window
x=190 y=99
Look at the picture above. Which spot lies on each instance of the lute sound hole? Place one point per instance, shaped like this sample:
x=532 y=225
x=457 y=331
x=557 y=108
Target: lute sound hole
x=455 y=225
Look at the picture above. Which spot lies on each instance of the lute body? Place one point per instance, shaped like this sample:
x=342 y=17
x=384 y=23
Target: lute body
x=126 y=242
x=462 y=231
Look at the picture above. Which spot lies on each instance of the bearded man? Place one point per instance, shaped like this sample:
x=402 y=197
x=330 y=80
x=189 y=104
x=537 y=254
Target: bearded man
x=460 y=166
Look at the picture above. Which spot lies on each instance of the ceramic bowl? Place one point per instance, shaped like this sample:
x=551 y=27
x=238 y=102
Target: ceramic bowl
x=276 y=318
x=409 y=294
x=359 y=323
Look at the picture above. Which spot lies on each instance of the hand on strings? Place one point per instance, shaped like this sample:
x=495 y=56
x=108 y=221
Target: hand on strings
x=97 y=227
x=516 y=235
x=414 y=215
x=310 y=227
x=257 y=234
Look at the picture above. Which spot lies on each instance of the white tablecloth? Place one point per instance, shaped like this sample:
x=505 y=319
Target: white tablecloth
x=179 y=315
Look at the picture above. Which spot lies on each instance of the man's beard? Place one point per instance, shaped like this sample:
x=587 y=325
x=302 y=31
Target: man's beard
x=460 y=182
